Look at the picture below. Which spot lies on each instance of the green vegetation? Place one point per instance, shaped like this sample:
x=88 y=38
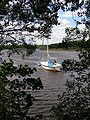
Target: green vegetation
x=15 y=101
x=22 y=16
x=67 y=45
x=70 y=45
x=18 y=20
x=74 y=103
x=15 y=48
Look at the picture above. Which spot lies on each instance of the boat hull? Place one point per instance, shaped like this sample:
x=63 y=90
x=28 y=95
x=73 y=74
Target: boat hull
x=56 y=67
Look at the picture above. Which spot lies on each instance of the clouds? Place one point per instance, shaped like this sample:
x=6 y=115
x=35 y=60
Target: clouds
x=65 y=23
x=81 y=26
x=67 y=14
x=66 y=20
x=58 y=32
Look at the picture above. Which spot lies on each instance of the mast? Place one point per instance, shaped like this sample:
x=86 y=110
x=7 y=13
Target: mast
x=42 y=48
x=47 y=50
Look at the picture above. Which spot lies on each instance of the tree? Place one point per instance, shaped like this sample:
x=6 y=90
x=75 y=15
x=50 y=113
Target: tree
x=18 y=16
x=18 y=19
x=26 y=15
x=74 y=103
x=15 y=86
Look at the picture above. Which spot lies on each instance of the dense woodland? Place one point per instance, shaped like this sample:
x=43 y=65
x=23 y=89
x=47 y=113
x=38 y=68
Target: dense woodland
x=67 y=45
x=64 y=45
x=71 y=44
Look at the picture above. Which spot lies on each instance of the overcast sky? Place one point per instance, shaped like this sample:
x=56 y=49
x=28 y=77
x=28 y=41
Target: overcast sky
x=58 y=32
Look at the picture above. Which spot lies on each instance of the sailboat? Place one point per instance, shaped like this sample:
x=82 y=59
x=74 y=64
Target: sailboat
x=51 y=63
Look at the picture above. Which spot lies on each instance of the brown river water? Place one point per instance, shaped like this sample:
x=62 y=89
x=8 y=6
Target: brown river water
x=53 y=82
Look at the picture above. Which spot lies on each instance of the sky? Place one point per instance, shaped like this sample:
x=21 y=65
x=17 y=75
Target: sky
x=58 y=32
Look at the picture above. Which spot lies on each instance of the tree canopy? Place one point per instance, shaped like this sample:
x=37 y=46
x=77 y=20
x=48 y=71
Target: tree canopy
x=35 y=16
x=74 y=103
x=28 y=16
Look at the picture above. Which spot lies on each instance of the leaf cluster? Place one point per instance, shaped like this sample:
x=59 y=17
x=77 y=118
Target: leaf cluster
x=15 y=86
x=25 y=15
x=74 y=103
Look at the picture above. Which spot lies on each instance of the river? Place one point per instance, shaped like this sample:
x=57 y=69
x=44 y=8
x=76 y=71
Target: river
x=53 y=82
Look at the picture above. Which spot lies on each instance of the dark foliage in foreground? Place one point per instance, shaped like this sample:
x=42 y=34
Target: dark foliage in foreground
x=74 y=103
x=19 y=19
x=23 y=15
x=15 y=86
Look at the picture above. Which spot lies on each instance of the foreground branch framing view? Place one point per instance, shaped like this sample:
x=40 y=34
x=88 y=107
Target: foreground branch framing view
x=29 y=92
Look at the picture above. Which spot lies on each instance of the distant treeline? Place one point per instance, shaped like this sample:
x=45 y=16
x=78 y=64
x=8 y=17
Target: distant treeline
x=71 y=44
x=19 y=48
x=16 y=46
x=64 y=44
x=68 y=45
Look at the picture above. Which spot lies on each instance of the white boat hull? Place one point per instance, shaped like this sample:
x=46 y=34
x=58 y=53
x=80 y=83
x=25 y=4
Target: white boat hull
x=55 y=67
